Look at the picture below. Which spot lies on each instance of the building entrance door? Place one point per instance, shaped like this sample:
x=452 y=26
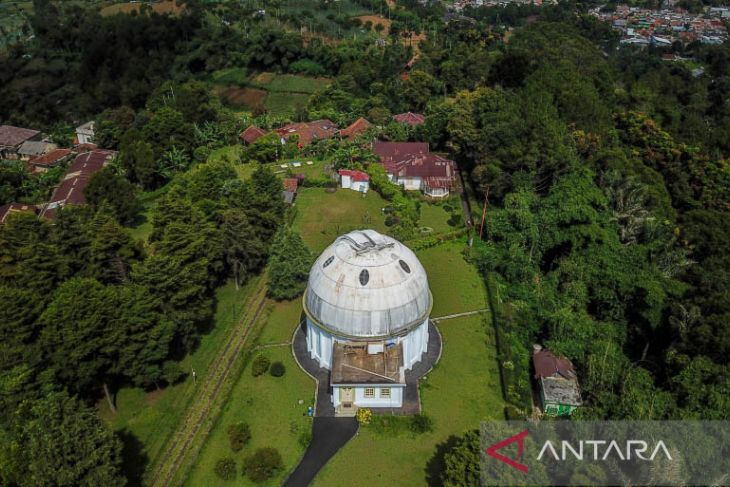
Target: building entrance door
x=346 y=396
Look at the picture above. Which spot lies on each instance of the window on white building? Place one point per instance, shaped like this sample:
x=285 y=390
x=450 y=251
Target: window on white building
x=369 y=392
x=385 y=392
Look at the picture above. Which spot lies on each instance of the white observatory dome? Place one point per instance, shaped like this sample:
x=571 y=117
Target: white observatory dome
x=367 y=285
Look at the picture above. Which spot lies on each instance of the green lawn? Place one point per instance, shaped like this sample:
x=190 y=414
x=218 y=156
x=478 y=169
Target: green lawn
x=279 y=103
x=230 y=76
x=455 y=284
x=436 y=217
x=269 y=405
x=293 y=83
x=322 y=217
x=461 y=391
x=150 y=417
x=231 y=153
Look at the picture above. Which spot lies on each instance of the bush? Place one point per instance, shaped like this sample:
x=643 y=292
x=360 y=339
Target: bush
x=364 y=416
x=225 y=468
x=263 y=464
x=260 y=365
x=277 y=369
x=239 y=435
x=420 y=423
x=305 y=438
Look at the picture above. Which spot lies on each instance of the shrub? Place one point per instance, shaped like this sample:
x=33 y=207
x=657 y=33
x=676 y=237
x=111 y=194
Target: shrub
x=277 y=369
x=263 y=464
x=225 y=468
x=420 y=423
x=239 y=435
x=305 y=438
x=364 y=416
x=260 y=365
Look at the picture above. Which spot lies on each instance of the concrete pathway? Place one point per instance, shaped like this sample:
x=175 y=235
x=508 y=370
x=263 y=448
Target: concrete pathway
x=459 y=315
x=328 y=436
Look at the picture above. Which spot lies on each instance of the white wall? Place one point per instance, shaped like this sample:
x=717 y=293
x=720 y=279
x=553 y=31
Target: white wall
x=395 y=400
x=319 y=345
x=346 y=181
x=361 y=186
x=411 y=184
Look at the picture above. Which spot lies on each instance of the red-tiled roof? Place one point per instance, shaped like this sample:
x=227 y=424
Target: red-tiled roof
x=13 y=136
x=356 y=128
x=354 y=174
x=548 y=365
x=251 y=134
x=309 y=131
x=71 y=189
x=52 y=158
x=410 y=118
x=413 y=159
x=12 y=208
x=291 y=184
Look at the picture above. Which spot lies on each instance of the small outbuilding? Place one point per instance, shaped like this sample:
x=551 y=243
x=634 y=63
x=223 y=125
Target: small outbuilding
x=355 y=180
x=410 y=118
x=85 y=133
x=11 y=138
x=557 y=383
x=251 y=134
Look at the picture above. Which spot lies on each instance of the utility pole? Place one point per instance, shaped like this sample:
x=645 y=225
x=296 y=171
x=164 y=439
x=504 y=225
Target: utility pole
x=484 y=213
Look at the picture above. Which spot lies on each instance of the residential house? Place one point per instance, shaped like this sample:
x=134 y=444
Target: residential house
x=70 y=190
x=354 y=180
x=410 y=118
x=35 y=148
x=50 y=160
x=15 y=208
x=290 y=190
x=85 y=133
x=557 y=382
x=11 y=138
x=308 y=132
x=251 y=134
x=357 y=127
x=411 y=165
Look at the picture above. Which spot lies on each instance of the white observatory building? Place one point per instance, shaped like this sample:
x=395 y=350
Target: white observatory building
x=367 y=306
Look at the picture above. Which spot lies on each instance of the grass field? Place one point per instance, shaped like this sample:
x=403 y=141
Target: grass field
x=285 y=103
x=435 y=217
x=160 y=7
x=148 y=418
x=269 y=405
x=279 y=94
x=289 y=83
x=322 y=217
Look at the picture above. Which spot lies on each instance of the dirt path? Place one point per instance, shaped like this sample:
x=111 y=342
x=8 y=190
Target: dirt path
x=209 y=388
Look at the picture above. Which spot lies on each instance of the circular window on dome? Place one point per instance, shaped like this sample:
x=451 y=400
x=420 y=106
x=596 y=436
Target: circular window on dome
x=328 y=261
x=364 y=276
x=404 y=266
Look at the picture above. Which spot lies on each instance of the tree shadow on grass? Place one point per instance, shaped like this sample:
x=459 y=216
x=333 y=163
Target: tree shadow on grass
x=134 y=459
x=435 y=465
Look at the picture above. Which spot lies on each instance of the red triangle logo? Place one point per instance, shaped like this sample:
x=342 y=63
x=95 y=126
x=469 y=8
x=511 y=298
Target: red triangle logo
x=520 y=439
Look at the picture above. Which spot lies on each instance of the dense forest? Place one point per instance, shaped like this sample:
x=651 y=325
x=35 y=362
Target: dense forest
x=605 y=169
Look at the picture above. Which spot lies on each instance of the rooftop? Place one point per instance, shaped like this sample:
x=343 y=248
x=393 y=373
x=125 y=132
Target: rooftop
x=561 y=391
x=309 y=131
x=410 y=118
x=251 y=134
x=14 y=136
x=355 y=128
x=367 y=285
x=52 y=158
x=367 y=363
x=13 y=208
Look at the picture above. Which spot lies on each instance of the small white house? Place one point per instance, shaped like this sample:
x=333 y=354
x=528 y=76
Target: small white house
x=354 y=180
x=85 y=133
